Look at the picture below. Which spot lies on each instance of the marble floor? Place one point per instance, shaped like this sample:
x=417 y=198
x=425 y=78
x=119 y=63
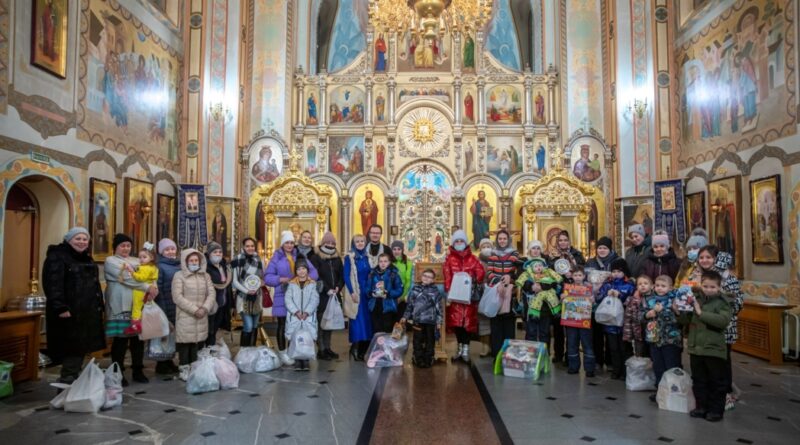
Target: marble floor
x=343 y=402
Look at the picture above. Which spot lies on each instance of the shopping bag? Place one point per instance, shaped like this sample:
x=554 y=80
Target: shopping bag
x=675 y=391
x=88 y=393
x=222 y=347
x=301 y=345
x=58 y=400
x=226 y=372
x=154 y=322
x=113 y=384
x=639 y=375
x=202 y=377
x=246 y=359
x=460 y=288
x=333 y=317
x=490 y=302
x=385 y=351
x=6 y=385
x=267 y=360
x=610 y=312
x=161 y=349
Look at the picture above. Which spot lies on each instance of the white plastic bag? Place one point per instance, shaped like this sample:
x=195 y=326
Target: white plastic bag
x=267 y=360
x=639 y=375
x=154 y=322
x=113 y=384
x=226 y=373
x=610 y=312
x=460 y=288
x=160 y=349
x=675 y=391
x=202 y=377
x=246 y=359
x=224 y=351
x=58 y=400
x=490 y=302
x=333 y=318
x=88 y=393
x=257 y=359
x=301 y=346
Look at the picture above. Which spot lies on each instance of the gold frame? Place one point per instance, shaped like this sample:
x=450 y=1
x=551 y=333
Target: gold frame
x=736 y=182
x=173 y=217
x=111 y=217
x=57 y=67
x=130 y=183
x=212 y=201
x=773 y=182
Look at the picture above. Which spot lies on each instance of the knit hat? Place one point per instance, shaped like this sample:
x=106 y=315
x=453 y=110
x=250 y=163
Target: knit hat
x=212 y=246
x=328 y=238
x=286 y=237
x=71 y=233
x=660 y=239
x=636 y=228
x=301 y=262
x=486 y=242
x=621 y=265
x=458 y=235
x=535 y=243
x=398 y=244
x=698 y=240
x=119 y=239
x=604 y=241
x=164 y=243
x=533 y=261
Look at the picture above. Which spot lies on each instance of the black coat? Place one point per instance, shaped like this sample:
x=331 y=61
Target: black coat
x=331 y=274
x=71 y=282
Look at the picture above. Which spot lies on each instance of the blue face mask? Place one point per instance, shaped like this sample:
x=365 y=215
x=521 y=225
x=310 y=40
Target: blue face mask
x=692 y=255
x=460 y=246
x=193 y=267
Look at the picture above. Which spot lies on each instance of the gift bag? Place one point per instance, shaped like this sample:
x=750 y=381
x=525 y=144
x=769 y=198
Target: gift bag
x=160 y=349
x=610 y=312
x=88 y=393
x=460 y=288
x=333 y=317
x=639 y=375
x=113 y=384
x=675 y=391
x=226 y=372
x=301 y=345
x=154 y=322
x=385 y=351
x=522 y=359
x=202 y=377
x=490 y=302
x=6 y=385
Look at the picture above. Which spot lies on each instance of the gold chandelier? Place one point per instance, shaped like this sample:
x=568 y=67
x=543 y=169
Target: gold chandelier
x=429 y=18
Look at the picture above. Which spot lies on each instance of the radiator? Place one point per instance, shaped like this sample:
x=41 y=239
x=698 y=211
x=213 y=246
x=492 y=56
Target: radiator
x=790 y=344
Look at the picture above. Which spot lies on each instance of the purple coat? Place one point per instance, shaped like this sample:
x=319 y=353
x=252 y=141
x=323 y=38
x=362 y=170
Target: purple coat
x=278 y=268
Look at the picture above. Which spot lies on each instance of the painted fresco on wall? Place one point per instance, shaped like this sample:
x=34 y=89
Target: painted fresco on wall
x=587 y=160
x=311 y=109
x=503 y=157
x=346 y=155
x=539 y=158
x=347 y=36
x=539 y=100
x=131 y=84
x=501 y=42
x=380 y=155
x=470 y=100
x=269 y=65
x=468 y=54
x=427 y=92
x=583 y=83
x=369 y=208
x=470 y=161
x=380 y=106
x=482 y=214
x=503 y=105
x=425 y=177
x=312 y=158
x=418 y=54
x=736 y=85
x=347 y=105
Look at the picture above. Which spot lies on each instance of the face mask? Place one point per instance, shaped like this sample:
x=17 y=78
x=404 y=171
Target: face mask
x=193 y=267
x=215 y=259
x=692 y=255
x=486 y=251
x=460 y=247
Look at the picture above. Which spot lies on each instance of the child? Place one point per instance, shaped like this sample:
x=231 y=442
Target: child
x=662 y=332
x=632 y=325
x=537 y=272
x=707 y=349
x=580 y=337
x=147 y=272
x=617 y=286
x=302 y=300
x=424 y=311
x=385 y=288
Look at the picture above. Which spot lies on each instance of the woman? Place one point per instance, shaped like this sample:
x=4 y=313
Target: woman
x=306 y=246
x=168 y=265
x=564 y=250
x=119 y=300
x=601 y=262
x=405 y=268
x=331 y=273
x=485 y=247
x=220 y=272
x=501 y=269
x=639 y=250
x=74 y=312
x=248 y=300
x=462 y=318
x=280 y=271
x=195 y=299
x=356 y=278
x=385 y=288
x=662 y=261
x=689 y=272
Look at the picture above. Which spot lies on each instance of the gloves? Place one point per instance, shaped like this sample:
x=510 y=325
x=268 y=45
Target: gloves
x=528 y=287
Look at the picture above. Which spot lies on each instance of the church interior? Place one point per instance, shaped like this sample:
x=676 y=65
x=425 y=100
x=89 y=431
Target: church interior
x=220 y=121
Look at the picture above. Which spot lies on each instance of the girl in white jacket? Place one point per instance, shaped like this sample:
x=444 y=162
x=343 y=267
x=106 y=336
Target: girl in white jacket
x=302 y=299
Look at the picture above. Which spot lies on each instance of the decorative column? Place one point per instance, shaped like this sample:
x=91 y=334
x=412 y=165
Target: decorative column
x=457 y=53
x=478 y=52
x=345 y=202
x=528 y=97
x=552 y=80
x=458 y=149
x=368 y=110
x=457 y=100
x=505 y=208
x=391 y=213
x=300 y=117
x=323 y=99
x=370 y=51
x=392 y=85
x=481 y=111
x=390 y=160
x=391 y=66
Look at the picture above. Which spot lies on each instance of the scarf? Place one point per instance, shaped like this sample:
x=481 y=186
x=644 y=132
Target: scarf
x=248 y=265
x=327 y=251
x=304 y=250
x=374 y=252
x=291 y=260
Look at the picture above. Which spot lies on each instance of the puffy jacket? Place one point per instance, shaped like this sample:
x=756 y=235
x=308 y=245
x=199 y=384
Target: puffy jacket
x=167 y=268
x=392 y=285
x=731 y=286
x=301 y=298
x=667 y=264
x=636 y=255
x=71 y=282
x=461 y=315
x=223 y=289
x=331 y=273
x=625 y=289
x=604 y=264
x=424 y=305
x=278 y=268
x=577 y=257
x=707 y=331
x=406 y=272
x=669 y=331
x=191 y=291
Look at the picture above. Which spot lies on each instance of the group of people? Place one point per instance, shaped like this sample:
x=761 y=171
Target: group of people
x=375 y=284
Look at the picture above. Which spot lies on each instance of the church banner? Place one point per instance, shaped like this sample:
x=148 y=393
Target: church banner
x=669 y=209
x=192 y=229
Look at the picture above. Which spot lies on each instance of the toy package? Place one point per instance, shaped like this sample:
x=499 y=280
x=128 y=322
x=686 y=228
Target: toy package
x=522 y=359
x=576 y=310
x=684 y=296
x=385 y=351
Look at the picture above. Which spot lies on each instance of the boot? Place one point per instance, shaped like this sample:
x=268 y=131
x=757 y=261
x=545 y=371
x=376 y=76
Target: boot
x=459 y=354
x=245 y=339
x=465 y=353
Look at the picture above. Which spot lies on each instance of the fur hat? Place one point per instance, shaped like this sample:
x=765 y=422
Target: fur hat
x=286 y=237
x=73 y=232
x=459 y=235
x=636 y=228
x=164 y=243
x=698 y=240
x=328 y=238
x=119 y=239
x=621 y=265
x=605 y=241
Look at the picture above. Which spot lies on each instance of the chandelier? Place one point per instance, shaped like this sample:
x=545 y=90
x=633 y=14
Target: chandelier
x=429 y=18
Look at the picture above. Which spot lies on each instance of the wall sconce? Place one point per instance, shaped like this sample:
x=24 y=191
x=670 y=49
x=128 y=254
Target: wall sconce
x=638 y=106
x=218 y=111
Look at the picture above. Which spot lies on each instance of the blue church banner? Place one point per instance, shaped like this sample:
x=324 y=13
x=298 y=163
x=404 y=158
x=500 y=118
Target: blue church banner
x=192 y=230
x=669 y=208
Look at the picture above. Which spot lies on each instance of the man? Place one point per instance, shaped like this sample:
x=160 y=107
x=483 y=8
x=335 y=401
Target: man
x=375 y=248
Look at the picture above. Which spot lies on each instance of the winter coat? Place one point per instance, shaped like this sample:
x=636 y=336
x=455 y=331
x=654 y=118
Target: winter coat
x=392 y=286
x=576 y=256
x=625 y=289
x=500 y=263
x=360 y=328
x=279 y=267
x=240 y=272
x=406 y=271
x=71 y=282
x=732 y=287
x=460 y=315
x=636 y=255
x=666 y=326
x=222 y=288
x=167 y=268
x=301 y=298
x=119 y=294
x=424 y=305
x=632 y=321
x=667 y=264
x=330 y=269
x=603 y=264
x=191 y=291
x=707 y=331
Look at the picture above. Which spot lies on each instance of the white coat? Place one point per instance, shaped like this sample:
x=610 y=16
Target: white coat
x=301 y=300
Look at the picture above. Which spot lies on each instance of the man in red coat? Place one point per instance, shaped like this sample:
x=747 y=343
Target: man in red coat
x=462 y=318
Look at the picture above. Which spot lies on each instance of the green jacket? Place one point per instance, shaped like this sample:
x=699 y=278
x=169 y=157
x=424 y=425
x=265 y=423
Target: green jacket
x=406 y=272
x=707 y=331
